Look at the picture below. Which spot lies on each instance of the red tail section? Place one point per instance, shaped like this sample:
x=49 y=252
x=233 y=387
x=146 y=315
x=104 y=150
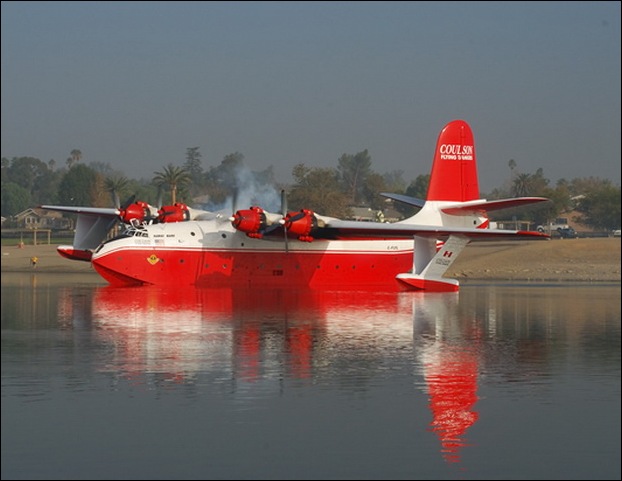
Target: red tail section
x=454 y=171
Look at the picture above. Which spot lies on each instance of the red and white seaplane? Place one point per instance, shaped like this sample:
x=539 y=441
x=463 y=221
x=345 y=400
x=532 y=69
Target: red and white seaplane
x=177 y=245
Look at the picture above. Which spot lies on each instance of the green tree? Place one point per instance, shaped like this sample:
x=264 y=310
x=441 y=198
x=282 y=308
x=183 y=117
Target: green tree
x=74 y=157
x=143 y=189
x=227 y=171
x=194 y=168
x=14 y=199
x=522 y=185
x=77 y=187
x=374 y=184
x=116 y=185
x=104 y=168
x=418 y=188
x=221 y=182
x=353 y=171
x=394 y=181
x=193 y=162
x=318 y=189
x=600 y=207
x=46 y=188
x=172 y=177
x=33 y=175
x=24 y=171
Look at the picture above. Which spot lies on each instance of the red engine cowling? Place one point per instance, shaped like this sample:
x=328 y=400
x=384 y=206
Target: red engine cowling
x=301 y=224
x=139 y=210
x=251 y=221
x=173 y=213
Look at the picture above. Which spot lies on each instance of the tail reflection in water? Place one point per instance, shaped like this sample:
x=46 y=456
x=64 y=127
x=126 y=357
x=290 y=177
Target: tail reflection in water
x=243 y=338
x=449 y=355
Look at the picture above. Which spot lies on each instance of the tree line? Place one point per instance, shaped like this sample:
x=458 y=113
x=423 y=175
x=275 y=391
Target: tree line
x=333 y=191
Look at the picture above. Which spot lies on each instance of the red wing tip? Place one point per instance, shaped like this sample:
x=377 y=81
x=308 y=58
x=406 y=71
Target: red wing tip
x=70 y=252
x=532 y=233
x=418 y=283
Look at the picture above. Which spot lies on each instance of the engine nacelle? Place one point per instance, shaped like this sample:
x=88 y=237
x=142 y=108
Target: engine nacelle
x=173 y=213
x=251 y=221
x=301 y=224
x=139 y=210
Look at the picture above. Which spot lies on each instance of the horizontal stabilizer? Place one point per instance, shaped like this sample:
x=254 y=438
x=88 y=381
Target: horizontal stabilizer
x=481 y=206
x=404 y=199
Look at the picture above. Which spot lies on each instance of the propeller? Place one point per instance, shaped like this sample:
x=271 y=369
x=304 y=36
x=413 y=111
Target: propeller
x=282 y=221
x=279 y=223
x=256 y=223
x=120 y=210
x=135 y=210
x=234 y=200
x=116 y=200
x=130 y=200
x=159 y=197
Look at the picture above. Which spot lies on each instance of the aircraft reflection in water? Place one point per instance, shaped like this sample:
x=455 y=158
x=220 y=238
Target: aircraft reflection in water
x=245 y=336
x=449 y=354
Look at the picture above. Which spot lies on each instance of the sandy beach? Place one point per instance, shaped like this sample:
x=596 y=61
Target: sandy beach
x=591 y=260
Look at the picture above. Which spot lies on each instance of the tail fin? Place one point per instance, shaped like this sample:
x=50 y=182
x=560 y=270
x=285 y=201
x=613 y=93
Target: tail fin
x=454 y=170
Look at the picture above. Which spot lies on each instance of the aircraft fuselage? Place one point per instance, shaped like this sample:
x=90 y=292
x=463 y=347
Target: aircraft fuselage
x=214 y=254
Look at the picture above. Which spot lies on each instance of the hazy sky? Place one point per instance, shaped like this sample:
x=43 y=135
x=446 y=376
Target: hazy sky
x=134 y=84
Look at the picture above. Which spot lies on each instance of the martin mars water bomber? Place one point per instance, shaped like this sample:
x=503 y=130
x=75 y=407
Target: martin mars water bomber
x=177 y=245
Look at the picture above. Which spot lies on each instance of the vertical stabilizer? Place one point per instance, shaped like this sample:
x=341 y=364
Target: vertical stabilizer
x=454 y=170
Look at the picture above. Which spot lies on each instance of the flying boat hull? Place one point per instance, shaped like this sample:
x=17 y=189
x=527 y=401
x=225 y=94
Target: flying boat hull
x=317 y=265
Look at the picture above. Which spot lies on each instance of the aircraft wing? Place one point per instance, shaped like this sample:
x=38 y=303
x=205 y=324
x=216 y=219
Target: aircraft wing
x=103 y=211
x=473 y=207
x=342 y=229
x=92 y=225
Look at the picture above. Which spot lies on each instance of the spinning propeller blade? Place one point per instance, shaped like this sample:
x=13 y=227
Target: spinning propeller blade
x=120 y=209
x=234 y=200
x=116 y=200
x=284 y=213
x=128 y=202
x=159 y=198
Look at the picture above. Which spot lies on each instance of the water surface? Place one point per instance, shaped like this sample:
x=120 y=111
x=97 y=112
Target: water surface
x=494 y=382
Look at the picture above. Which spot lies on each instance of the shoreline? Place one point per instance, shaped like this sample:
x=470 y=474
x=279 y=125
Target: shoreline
x=583 y=260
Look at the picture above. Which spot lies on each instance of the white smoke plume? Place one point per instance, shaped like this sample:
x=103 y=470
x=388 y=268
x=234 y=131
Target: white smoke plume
x=248 y=190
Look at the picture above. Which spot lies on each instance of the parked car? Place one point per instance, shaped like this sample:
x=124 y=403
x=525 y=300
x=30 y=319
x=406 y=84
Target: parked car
x=552 y=227
x=616 y=233
x=567 y=233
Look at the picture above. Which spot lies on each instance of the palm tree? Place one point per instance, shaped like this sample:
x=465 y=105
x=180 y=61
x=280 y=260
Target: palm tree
x=116 y=185
x=74 y=157
x=522 y=184
x=174 y=177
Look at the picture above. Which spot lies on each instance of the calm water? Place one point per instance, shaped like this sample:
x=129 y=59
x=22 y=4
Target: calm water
x=494 y=382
